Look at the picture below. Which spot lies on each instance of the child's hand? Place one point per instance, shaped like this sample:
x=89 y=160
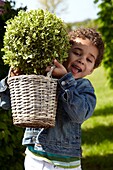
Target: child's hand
x=59 y=71
x=15 y=72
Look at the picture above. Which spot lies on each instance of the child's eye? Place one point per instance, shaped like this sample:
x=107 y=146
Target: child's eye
x=89 y=60
x=77 y=54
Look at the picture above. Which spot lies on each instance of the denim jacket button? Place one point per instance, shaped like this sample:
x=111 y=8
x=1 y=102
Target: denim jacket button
x=63 y=83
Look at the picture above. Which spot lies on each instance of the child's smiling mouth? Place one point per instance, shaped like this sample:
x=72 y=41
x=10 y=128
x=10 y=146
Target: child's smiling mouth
x=75 y=69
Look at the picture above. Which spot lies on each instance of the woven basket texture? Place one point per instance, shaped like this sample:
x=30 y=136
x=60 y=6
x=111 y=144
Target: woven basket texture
x=33 y=100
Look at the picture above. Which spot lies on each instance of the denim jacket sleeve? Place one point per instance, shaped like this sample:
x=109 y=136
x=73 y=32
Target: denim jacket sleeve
x=77 y=97
x=4 y=95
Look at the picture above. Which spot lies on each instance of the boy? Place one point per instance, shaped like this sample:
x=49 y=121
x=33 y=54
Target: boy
x=59 y=147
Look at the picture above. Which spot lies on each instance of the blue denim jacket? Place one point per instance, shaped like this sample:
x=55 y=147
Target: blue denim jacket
x=4 y=95
x=76 y=103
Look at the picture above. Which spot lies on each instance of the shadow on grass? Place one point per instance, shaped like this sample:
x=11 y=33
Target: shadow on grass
x=103 y=111
x=104 y=162
x=97 y=135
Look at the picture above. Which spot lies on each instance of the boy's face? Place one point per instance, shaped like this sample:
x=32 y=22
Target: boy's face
x=82 y=57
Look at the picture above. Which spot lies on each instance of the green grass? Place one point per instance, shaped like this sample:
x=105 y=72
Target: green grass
x=97 y=131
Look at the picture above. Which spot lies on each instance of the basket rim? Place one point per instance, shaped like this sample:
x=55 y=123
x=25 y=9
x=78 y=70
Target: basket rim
x=32 y=76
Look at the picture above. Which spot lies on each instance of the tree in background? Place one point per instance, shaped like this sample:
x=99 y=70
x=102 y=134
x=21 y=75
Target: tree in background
x=105 y=26
x=11 y=149
x=59 y=6
x=54 y=6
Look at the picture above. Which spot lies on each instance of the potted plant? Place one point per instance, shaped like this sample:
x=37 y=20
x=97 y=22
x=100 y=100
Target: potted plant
x=32 y=39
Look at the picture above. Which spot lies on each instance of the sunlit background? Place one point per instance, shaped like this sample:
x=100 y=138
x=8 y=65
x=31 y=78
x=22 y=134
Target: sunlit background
x=76 y=10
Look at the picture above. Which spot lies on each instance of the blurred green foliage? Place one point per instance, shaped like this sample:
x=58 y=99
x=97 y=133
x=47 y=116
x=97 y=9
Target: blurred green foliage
x=105 y=26
x=11 y=149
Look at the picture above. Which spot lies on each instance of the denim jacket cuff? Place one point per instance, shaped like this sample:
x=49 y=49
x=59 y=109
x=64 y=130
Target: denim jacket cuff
x=3 y=85
x=4 y=95
x=67 y=81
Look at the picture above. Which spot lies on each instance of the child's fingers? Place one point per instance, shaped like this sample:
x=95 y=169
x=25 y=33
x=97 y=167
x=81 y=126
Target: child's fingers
x=57 y=64
x=48 y=68
x=15 y=72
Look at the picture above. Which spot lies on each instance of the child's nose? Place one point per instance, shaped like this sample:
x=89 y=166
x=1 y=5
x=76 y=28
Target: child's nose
x=81 y=60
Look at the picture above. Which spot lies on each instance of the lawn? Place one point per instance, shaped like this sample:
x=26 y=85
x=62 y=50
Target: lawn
x=97 y=131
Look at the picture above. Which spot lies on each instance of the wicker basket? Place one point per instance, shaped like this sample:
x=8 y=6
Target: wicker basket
x=33 y=100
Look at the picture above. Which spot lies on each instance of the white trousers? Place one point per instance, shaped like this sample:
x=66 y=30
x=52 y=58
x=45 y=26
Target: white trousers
x=34 y=164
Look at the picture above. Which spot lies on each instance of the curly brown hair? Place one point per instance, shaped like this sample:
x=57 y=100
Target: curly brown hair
x=94 y=37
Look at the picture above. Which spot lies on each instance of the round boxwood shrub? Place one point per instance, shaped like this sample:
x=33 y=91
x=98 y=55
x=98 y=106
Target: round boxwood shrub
x=33 y=39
